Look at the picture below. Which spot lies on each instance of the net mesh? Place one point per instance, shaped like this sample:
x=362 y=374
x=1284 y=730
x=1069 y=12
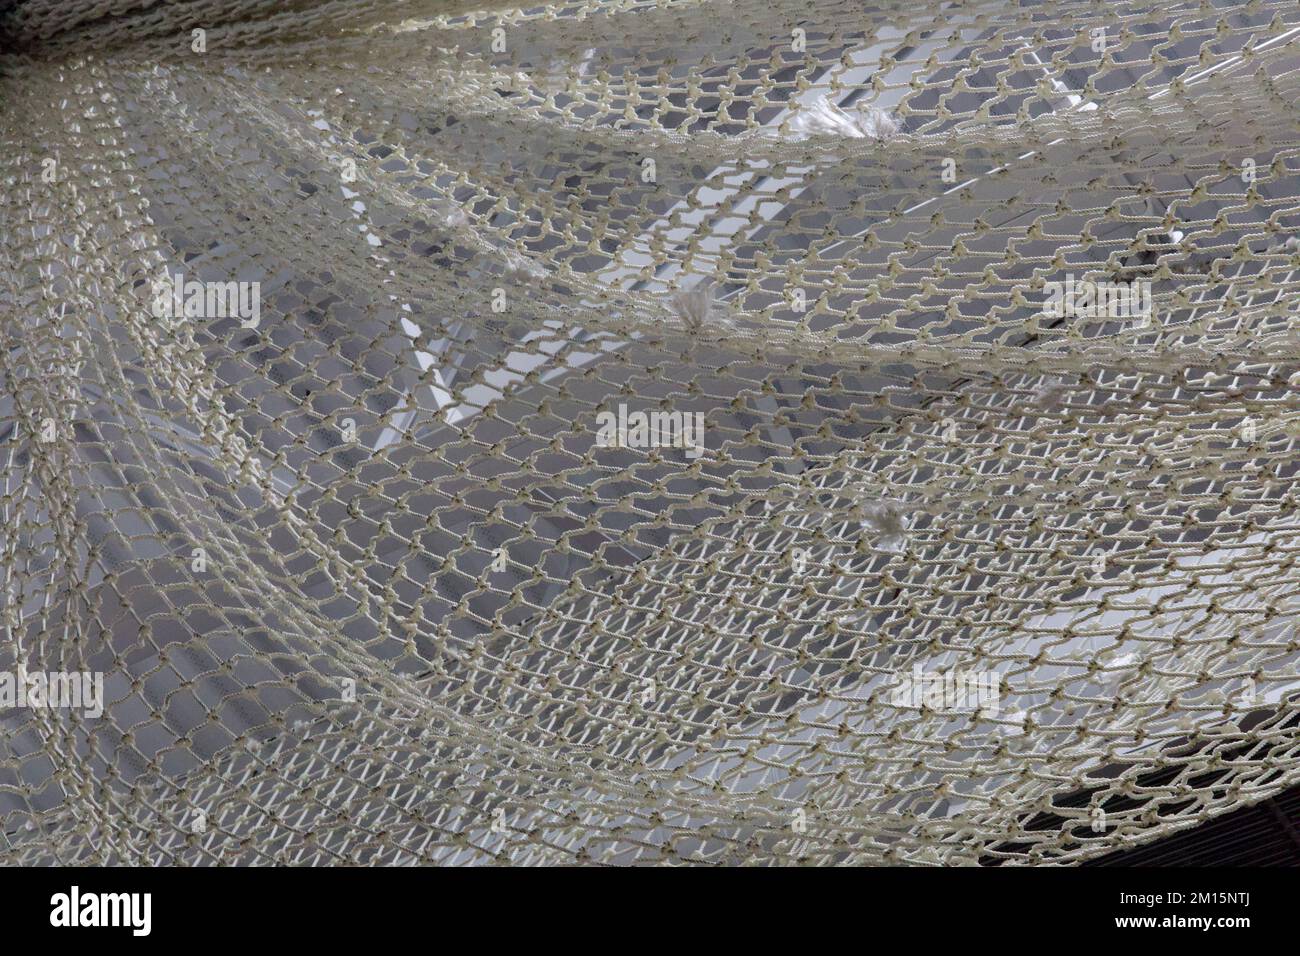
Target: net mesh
x=369 y=581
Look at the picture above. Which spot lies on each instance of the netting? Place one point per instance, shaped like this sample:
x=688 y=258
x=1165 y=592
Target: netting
x=620 y=432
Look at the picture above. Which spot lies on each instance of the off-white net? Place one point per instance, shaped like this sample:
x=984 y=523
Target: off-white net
x=366 y=586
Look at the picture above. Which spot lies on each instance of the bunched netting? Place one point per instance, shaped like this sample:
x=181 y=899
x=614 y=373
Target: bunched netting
x=397 y=542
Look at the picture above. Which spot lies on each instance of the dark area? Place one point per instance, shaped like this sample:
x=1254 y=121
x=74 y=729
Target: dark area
x=1267 y=834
